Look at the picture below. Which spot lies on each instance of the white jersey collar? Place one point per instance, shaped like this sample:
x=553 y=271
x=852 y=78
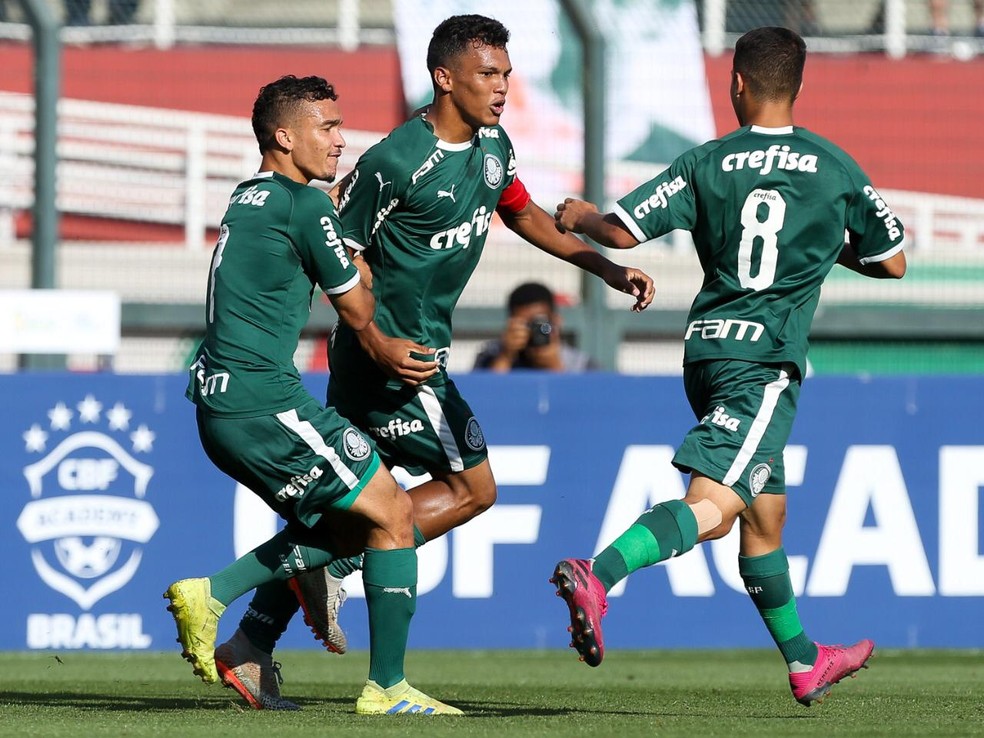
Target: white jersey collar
x=781 y=131
x=454 y=146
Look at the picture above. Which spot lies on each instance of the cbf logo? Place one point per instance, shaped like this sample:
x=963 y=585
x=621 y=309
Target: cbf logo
x=87 y=518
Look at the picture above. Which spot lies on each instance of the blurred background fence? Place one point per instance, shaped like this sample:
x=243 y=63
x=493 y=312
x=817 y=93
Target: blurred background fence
x=153 y=134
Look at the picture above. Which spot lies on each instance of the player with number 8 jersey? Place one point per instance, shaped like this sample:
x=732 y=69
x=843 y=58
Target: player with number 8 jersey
x=771 y=208
x=767 y=208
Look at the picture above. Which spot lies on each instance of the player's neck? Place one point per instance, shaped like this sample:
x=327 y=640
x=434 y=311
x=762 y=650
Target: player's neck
x=770 y=115
x=448 y=124
x=272 y=162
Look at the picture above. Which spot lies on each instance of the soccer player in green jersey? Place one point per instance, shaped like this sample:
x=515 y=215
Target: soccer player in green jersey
x=278 y=240
x=417 y=209
x=768 y=206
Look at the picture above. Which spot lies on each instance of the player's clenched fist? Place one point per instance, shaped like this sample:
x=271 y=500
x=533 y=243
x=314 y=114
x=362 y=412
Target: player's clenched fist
x=570 y=214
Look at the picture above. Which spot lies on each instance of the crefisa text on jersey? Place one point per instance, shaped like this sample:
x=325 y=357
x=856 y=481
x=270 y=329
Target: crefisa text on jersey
x=884 y=212
x=775 y=157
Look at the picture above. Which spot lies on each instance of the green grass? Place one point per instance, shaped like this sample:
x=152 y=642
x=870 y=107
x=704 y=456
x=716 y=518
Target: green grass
x=505 y=693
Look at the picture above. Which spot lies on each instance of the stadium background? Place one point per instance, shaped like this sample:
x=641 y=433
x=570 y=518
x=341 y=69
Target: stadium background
x=153 y=133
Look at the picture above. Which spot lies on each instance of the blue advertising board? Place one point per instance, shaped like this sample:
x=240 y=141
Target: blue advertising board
x=108 y=497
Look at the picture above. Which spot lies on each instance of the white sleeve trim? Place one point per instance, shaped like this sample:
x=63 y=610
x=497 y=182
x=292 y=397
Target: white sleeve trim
x=354 y=245
x=343 y=288
x=884 y=255
x=629 y=221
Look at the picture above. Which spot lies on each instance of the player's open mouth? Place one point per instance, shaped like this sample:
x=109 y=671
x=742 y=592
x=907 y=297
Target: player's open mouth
x=497 y=108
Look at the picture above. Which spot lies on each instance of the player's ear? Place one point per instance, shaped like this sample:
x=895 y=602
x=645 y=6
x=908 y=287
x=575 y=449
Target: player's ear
x=442 y=79
x=284 y=139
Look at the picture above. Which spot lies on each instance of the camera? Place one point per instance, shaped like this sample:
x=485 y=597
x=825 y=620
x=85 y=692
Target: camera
x=540 y=330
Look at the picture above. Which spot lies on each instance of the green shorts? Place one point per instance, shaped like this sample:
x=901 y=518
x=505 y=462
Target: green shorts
x=302 y=461
x=425 y=429
x=746 y=413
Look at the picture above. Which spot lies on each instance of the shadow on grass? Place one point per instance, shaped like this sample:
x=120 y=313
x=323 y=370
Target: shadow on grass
x=115 y=702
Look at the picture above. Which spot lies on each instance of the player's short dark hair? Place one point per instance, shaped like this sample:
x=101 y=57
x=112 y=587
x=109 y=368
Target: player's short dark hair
x=277 y=103
x=529 y=293
x=460 y=32
x=771 y=60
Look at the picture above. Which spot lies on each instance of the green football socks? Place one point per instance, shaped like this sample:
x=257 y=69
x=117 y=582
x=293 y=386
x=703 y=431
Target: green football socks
x=341 y=568
x=268 y=614
x=276 y=559
x=665 y=530
x=767 y=580
x=390 y=579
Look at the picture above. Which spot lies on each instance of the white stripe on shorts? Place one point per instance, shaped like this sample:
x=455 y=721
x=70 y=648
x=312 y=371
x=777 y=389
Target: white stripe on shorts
x=316 y=443
x=769 y=399
x=432 y=406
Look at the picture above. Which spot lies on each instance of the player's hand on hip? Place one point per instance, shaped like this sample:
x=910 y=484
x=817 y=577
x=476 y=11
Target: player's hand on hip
x=365 y=272
x=409 y=362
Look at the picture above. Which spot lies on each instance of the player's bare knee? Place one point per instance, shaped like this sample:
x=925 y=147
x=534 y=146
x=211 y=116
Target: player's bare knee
x=391 y=519
x=402 y=509
x=474 y=492
x=484 y=497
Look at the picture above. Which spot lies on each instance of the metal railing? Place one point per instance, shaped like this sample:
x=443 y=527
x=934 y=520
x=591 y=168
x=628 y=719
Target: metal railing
x=134 y=163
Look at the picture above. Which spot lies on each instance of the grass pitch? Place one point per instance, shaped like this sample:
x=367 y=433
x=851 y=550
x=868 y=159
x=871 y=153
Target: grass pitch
x=505 y=693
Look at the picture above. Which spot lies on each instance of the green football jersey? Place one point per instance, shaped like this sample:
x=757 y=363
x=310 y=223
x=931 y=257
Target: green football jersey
x=419 y=210
x=277 y=240
x=768 y=209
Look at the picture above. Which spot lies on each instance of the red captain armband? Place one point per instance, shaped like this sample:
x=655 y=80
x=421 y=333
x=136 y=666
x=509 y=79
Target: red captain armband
x=514 y=198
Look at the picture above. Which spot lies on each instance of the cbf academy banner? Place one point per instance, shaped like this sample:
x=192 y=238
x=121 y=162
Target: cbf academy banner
x=108 y=497
x=657 y=99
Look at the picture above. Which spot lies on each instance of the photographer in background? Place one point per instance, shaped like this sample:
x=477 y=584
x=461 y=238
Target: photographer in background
x=532 y=339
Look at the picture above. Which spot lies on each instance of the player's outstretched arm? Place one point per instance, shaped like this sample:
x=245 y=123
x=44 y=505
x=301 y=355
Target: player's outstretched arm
x=536 y=226
x=356 y=308
x=583 y=217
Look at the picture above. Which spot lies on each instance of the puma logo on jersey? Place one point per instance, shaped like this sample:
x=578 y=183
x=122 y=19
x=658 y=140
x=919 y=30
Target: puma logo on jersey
x=446 y=193
x=399 y=590
x=382 y=184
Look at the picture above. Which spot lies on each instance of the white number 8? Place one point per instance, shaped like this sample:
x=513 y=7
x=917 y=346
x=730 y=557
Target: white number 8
x=767 y=230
